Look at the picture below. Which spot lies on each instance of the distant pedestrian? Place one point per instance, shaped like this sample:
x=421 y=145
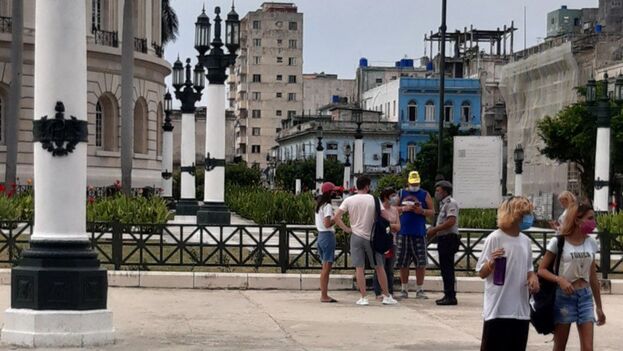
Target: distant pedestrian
x=577 y=279
x=416 y=205
x=326 y=237
x=506 y=266
x=390 y=201
x=446 y=232
x=362 y=213
x=567 y=200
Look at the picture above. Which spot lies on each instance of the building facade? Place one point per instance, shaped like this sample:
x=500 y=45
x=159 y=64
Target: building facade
x=104 y=23
x=413 y=103
x=368 y=77
x=320 y=89
x=266 y=84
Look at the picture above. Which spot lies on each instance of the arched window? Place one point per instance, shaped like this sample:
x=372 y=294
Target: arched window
x=466 y=111
x=448 y=110
x=140 y=126
x=98 y=124
x=107 y=122
x=430 y=111
x=159 y=130
x=412 y=111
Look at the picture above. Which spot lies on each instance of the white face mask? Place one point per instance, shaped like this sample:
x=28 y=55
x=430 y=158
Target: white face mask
x=414 y=188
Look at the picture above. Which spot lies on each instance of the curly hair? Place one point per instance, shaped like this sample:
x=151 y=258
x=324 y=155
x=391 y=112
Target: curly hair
x=512 y=210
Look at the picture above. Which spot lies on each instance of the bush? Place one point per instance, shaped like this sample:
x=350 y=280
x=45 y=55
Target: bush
x=305 y=170
x=478 y=218
x=128 y=210
x=270 y=207
x=242 y=175
x=18 y=207
x=611 y=223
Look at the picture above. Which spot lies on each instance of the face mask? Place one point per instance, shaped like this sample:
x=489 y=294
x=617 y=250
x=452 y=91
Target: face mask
x=394 y=200
x=588 y=226
x=414 y=188
x=526 y=222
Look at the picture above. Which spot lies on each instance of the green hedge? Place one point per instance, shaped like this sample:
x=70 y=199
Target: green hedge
x=265 y=206
x=16 y=207
x=611 y=223
x=128 y=210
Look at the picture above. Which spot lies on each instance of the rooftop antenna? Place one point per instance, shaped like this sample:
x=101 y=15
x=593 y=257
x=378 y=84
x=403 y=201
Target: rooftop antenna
x=525 y=28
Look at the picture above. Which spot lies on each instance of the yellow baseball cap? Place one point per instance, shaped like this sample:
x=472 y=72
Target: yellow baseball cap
x=414 y=177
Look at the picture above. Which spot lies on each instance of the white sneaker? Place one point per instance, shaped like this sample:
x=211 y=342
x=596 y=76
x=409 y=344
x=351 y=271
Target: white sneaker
x=363 y=301
x=420 y=295
x=389 y=300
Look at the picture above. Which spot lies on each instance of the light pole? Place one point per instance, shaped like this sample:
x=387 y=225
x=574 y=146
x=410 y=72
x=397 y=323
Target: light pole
x=214 y=210
x=601 y=108
x=58 y=289
x=188 y=94
x=518 y=157
x=167 y=149
x=319 y=161
x=357 y=116
x=442 y=90
x=347 y=151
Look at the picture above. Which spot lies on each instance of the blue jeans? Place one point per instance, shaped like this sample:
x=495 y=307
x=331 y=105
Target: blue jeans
x=575 y=308
x=326 y=246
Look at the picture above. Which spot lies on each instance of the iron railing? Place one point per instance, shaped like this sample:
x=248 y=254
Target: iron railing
x=107 y=38
x=157 y=49
x=6 y=24
x=140 y=45
x=281 y=247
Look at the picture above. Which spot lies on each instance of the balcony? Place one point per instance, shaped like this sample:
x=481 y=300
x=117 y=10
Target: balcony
x=6 y=24
x=140 y=45
x=157 y=49
x=368 y=169
x=428 y=125
x=106 y=38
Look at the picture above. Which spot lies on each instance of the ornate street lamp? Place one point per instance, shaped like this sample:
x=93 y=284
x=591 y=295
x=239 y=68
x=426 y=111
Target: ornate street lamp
x=189 y=94
x=357 y=117
x=518 y=157
x=216 y=61
x=601 y=109
x=347 y=152
x=167 y=149
x=319 y=160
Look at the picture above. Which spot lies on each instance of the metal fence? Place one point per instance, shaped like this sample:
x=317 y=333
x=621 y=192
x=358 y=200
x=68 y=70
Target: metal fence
x=6 y=24
x=280 y=247
x=107 y=38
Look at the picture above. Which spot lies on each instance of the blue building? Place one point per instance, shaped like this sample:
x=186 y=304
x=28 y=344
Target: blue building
x=414 y=104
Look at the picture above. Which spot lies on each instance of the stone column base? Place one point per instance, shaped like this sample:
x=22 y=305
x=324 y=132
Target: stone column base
x=186 y=207
x=215 y=213
x=34 y=328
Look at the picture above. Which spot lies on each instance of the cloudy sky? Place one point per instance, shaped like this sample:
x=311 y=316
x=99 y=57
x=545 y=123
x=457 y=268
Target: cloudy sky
x=338 y=32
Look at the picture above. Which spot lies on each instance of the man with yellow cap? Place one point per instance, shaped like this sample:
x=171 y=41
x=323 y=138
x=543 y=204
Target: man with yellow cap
x=416 y=205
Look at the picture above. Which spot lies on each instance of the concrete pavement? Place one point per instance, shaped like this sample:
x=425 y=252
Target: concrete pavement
x=195 y=319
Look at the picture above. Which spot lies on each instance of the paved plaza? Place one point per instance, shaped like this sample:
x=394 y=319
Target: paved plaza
x=191 y=319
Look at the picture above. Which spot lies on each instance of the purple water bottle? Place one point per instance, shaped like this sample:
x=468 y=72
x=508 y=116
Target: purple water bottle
x=499 y=273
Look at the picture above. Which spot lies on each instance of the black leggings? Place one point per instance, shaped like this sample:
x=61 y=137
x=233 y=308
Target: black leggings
x=505 y=334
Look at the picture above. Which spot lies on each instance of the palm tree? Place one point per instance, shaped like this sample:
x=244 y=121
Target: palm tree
x=170 y=23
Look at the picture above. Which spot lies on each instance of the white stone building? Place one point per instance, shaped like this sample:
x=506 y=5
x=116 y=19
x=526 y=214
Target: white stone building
x=320 y=89
x=104 y=23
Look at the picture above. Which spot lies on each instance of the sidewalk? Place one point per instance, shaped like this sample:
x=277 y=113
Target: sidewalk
x=193 y=319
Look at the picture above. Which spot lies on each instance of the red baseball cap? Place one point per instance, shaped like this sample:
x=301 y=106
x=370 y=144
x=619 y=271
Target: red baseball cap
x=327 y=187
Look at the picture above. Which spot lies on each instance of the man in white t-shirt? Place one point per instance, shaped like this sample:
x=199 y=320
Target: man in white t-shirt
x=362 y=213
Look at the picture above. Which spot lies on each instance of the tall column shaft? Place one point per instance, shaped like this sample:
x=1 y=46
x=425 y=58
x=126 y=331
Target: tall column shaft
x=214 y=185
x=188 y=156
x=602 y=169
x=319 y=170
x=60 y=75
x=518 y=185
x=15 y=95
x=167 y=163
x=347 y=183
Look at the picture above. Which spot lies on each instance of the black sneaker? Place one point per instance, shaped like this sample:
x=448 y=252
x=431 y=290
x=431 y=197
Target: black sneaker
x=446 y=301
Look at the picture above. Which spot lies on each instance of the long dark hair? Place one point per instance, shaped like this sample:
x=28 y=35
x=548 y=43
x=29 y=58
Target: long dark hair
x=325 y=198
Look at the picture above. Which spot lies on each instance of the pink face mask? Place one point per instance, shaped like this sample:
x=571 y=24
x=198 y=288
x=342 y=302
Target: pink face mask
x=588 y=226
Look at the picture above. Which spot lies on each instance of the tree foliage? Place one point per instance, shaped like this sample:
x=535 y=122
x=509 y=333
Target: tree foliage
x=570 y=136
x=305 y=170
x=170 y=23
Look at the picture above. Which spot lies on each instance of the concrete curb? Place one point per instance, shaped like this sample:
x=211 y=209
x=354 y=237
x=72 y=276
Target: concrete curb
x=276 y=281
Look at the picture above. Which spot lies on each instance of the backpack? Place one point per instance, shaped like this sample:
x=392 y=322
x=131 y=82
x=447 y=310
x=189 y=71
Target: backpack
x=380 y=238
x=542 y=303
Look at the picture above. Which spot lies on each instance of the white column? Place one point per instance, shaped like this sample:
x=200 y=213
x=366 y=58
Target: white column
x=319 y=170
x=188 y=156
x=167 y=162
x=347 y=183
x=358 y=158
x=602 y=168
x=297 y=186
x=214 y=185
x=518 y=185
x=60 y=75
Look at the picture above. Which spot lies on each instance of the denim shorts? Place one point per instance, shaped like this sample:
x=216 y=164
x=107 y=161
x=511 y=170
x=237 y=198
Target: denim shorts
x=574 y=308
x=326 y=246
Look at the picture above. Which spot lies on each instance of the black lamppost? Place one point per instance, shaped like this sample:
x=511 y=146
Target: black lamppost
x=167 y=148
x=319 y=160
x=216 y=61
x=518 y=157
x=188 y=94
x=442 y=89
